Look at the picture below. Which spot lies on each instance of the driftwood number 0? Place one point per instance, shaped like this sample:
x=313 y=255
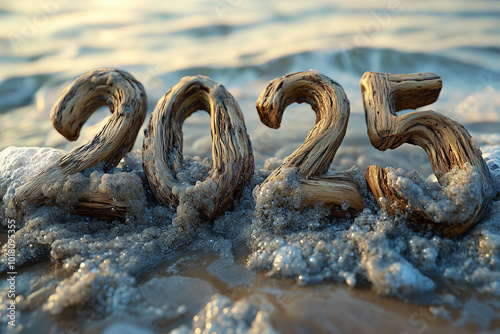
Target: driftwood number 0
x=233 y=163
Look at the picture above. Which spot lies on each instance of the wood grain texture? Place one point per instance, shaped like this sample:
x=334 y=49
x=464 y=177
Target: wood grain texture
x=446 y=142
x=313 y=158
x=127 y=102
x=233 y=163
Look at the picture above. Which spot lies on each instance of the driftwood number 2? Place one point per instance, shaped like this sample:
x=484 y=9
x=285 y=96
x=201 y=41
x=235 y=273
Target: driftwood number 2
x=313 y=158
x=127 y=102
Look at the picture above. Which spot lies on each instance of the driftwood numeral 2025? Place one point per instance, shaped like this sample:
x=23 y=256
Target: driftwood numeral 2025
x=446 y=142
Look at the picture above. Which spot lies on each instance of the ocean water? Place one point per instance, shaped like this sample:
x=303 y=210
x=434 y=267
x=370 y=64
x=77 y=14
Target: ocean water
x=261 y=267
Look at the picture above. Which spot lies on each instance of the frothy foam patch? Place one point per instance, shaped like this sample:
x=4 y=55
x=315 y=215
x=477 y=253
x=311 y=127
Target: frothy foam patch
x=375 y=247
x=222 y=315
x=100 y=261
x=303 y=243
x=453 y=201
x=19 y=164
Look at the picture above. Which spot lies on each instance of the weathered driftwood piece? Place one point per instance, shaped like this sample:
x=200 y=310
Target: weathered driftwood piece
x=314 y=156
x=446 y=142
x=163 y=160
x=127 y=101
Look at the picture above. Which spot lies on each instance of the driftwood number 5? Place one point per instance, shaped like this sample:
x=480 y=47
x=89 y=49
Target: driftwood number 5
x=447 y=143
